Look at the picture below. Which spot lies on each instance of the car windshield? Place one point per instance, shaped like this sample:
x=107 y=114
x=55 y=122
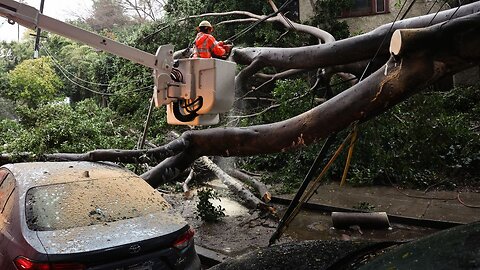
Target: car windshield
x=90 y=202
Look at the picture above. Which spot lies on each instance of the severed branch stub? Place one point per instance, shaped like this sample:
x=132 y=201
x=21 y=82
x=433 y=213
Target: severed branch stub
x=405 y=40
x=258 y=185
x=234 y=185
x=186 y=191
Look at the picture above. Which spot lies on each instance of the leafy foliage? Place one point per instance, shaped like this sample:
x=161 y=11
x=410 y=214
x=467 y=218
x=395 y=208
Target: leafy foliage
x=206 y=211
x=431 y=138
x=364 y=206
x=33 y=82
x=326 y=13
x=13 y=53
x=58 y=127
x=426 y=140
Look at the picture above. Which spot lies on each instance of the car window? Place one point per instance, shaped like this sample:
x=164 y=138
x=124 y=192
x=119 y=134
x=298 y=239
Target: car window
x=6 y=189
x=84 y=203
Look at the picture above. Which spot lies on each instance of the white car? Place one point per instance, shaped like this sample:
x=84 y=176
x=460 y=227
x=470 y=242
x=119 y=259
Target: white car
x=86 y=215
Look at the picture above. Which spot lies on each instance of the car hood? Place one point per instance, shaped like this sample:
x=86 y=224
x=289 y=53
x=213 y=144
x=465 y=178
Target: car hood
x=108 y=235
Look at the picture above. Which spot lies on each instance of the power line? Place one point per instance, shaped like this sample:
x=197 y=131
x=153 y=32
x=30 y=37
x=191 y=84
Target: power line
x=408 y=10
x=85 y=81
x=431 y=7
x=453 y=14
x=383 y=41
x=436 y=13
x=64 y=73
x=79 y=85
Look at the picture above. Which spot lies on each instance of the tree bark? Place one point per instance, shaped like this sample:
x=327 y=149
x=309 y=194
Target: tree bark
x=456 y=47
x=259 y=186
x=186 y=191
x=448 y=48
x=354 y=49
x=234 y=185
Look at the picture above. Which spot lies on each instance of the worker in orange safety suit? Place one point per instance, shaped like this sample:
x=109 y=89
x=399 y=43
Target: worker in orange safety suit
x=205 y=44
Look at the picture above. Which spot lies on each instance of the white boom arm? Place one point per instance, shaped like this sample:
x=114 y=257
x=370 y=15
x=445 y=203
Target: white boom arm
x=201 y=89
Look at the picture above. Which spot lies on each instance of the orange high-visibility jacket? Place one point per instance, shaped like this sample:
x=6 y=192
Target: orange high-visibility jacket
x=205 y=44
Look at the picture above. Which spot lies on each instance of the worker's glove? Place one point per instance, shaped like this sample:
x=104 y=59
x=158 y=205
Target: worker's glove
x=220 y=43
x=228 y=48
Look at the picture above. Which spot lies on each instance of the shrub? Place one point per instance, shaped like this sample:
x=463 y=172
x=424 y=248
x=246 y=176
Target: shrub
x=206 y=211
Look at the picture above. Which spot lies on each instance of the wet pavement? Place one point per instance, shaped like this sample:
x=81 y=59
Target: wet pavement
x=436 y=205
x=312 y=225
x=443 y=206
x=240 y=232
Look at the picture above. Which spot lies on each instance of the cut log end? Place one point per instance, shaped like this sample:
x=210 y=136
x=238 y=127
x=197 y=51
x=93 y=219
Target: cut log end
x=409 y=40
x=374 y=220
x=396 y=43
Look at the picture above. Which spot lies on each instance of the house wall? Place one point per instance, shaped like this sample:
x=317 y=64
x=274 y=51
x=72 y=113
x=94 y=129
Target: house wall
x=360 y=25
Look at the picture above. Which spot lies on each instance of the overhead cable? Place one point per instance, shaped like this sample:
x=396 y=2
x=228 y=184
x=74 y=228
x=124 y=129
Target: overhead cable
x=66 y=74
x=83 y=80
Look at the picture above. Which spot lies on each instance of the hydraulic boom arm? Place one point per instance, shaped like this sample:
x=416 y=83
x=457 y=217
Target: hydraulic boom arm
x=30 y=17
x=195 y=90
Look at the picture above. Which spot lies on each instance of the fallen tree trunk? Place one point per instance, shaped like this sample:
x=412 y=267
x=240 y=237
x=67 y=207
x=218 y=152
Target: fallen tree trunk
x=259 y=186
x=456 y=46
x=346 y=51
x=234 y=185
x=451 y=47
x=342 y=52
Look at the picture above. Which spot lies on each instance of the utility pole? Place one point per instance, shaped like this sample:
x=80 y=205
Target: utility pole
x=37 y=38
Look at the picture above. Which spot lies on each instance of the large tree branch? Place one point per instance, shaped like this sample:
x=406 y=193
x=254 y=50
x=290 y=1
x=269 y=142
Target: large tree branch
x=456 y=46
x=421 y=57
x=320 y=34
x=152 y=156
x=345 y=51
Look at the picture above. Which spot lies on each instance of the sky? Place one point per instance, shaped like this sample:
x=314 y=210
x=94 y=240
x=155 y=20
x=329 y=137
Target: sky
x=58 y=9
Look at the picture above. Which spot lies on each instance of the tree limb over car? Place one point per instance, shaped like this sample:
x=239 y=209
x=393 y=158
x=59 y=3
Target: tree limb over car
x=418 y=58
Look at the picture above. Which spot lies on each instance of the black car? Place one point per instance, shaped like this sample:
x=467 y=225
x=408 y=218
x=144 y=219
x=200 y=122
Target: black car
x=85 y=215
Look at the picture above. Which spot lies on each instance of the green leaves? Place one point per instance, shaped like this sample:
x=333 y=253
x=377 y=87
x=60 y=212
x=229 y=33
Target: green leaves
x=429 y=139
x=206 y=211
x=33 y=82
x=60 y=128
x=423 y=141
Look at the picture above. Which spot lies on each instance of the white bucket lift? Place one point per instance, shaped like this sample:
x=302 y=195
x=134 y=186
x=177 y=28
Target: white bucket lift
x=206 y=89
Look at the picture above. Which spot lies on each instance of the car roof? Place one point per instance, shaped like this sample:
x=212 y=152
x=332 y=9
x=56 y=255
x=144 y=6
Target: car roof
x=34 y=174
x=29 y=175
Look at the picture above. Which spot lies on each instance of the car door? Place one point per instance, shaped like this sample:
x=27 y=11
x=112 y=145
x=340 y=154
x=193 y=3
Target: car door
x=3 y=175
x=7 y=186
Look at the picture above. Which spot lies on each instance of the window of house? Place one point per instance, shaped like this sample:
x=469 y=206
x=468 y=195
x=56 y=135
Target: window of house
x=366 y=7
